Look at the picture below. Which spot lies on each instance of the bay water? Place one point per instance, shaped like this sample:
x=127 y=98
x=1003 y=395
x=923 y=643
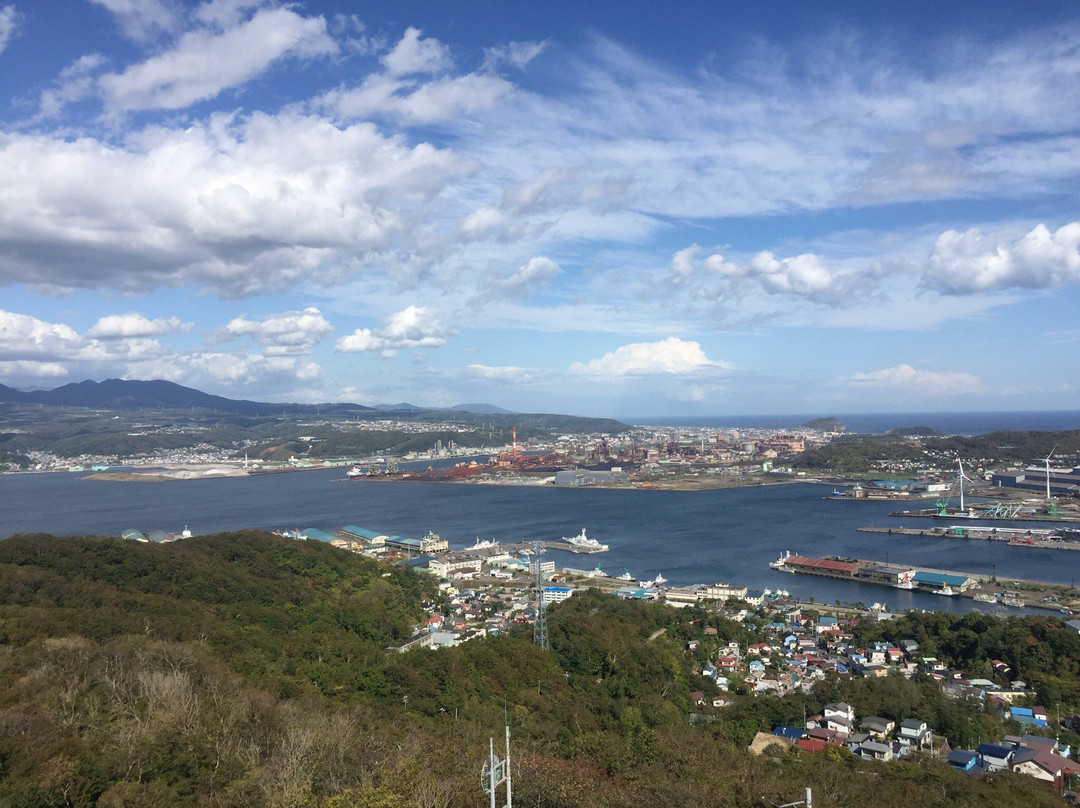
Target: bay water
x=727 y=535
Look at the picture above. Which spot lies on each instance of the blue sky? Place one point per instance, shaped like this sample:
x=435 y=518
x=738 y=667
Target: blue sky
x=600 y=209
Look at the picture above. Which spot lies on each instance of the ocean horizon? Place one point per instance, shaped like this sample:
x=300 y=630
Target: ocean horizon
x=951 y=423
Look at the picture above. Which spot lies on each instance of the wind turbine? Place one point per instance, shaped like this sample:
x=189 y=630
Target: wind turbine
x=963 y=477
x=1047 y=461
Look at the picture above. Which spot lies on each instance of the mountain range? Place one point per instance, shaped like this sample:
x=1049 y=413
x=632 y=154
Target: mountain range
x=123 y=394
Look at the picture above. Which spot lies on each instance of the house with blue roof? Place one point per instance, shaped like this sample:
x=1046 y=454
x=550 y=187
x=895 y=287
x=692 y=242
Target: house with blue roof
x=1026 y=715
x=963 y=759
x=992 y=757
x=791 y=733
x=940 y=580
x=315 y=534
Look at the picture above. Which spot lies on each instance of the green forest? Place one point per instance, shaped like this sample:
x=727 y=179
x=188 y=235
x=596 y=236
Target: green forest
x=858 y=453
x=248 y=670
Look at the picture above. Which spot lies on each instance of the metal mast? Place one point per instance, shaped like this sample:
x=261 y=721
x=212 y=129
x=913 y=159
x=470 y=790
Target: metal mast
x=540 y=632
x=496 y=772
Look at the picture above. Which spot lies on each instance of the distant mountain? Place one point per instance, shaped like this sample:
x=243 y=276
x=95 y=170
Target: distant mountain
x=477 y=409
x=481 y=409
x=825 y=425
x=122 y=394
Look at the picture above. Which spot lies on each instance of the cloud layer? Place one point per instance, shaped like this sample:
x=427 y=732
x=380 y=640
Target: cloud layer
x=332 y=185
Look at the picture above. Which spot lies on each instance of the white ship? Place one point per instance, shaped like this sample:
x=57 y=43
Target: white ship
x=483 y=544
x=583 y=544
x=945 y=590
x=626 y=576
x=781 y=562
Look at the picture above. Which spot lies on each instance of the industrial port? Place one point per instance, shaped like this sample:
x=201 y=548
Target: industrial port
x=948 y=583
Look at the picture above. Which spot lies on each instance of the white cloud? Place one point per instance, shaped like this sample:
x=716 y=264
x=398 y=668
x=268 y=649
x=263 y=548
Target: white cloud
x=481 y=221
x=505 y=374
x=239 y=369
x=8 y=18
x=917 y=382
x=28 y=369
x=399 y=93
x=124 y=326
x=142 y=20
x=669 y=356
x=26 y=337
x=237 y=205
x=800 y=277
x=415 y=55
x=291 y=333
x=515 y=54
x=970 y=262
x=414 y=327
x=205 y=62
x=529 y=277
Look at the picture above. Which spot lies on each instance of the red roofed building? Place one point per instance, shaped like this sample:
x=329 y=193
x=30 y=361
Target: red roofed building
x=822 y=566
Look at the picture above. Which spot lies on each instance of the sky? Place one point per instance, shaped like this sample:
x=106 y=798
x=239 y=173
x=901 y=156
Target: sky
x=608 y=209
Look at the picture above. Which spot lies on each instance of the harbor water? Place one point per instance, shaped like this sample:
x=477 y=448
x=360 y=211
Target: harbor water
x=727 y=535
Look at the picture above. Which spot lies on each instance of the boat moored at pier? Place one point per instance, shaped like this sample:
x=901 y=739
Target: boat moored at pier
x=583 y=544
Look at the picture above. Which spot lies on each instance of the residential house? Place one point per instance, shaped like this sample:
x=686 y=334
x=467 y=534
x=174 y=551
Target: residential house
x=963 y=760
x=1027 y=715
x=728 y=663
x=791 y=733
x=830 y=736
x=839 y=716
x=873 y=750
x=1044 y=765
x=914 y=733
x=879 y=727
x=992 y=757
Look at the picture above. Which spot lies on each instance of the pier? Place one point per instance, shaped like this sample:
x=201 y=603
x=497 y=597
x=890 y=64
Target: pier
x=1040 y=539
x=972 y=513
x=945 y=582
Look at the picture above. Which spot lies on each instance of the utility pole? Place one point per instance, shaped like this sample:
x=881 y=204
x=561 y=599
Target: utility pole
x=808 y=802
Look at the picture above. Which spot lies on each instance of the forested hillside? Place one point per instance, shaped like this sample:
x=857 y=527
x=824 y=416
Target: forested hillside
x=248 y=670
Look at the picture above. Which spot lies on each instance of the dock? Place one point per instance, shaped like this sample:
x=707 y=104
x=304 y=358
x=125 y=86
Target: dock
x=943 y=582
x=986 y=514
x=1039 y=539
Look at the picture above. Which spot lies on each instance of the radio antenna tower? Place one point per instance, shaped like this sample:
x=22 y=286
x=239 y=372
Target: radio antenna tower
x=496 y=772
x=540 y=632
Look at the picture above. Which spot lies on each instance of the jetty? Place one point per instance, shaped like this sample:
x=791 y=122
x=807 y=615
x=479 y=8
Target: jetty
x=1034 y=538
x=950 y=583
x=992 y=514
